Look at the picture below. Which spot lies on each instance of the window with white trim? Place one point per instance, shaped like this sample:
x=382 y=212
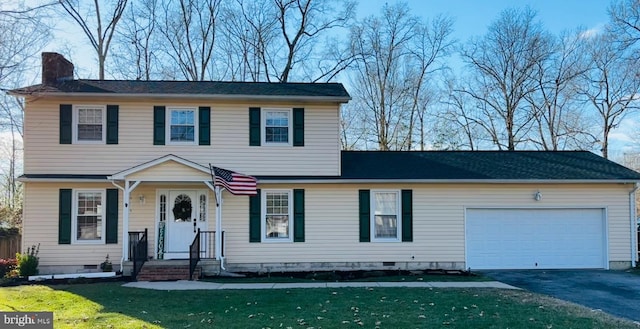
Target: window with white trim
x=277 y=215
x=182 y=125
x=89 y=123
x=276 y=126
x=88 y=222
x=385 y=215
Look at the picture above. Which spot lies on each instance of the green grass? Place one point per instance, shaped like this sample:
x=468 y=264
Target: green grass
x=109 y=305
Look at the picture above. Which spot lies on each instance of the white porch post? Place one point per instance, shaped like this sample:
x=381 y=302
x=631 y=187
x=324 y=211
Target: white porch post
x=125 y=222
x=217 y=192
x=128 y=188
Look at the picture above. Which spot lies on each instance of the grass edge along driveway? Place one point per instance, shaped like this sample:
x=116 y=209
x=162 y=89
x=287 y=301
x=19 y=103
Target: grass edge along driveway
x=109 y=305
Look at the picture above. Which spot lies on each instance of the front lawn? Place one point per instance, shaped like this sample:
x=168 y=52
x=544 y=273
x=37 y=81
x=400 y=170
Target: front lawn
x=352 y=276
x=109 y=305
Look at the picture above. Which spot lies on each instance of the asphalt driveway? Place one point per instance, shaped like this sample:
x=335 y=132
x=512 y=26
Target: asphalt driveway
x=614 y=292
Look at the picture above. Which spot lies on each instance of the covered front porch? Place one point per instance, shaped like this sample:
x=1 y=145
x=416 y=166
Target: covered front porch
x=171 y=220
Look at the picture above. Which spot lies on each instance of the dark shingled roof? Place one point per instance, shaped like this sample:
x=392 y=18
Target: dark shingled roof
x=462 y=166
x=482 y=165
x=205 y=88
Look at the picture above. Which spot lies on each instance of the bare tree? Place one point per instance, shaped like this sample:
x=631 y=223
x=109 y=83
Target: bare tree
x=188 y=28
x=503 y=63
x=353 y=130
x=301 y=22
x=396 y=54
x=558 y=117
x=611 y=85
x=23 y=36
x=136 y=43
x=104 y=27
x=625 y=21
x=460 y=124
x=249 y=28
x=282 y=40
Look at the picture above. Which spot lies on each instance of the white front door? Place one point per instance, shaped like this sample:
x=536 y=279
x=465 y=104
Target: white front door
x=186 y=214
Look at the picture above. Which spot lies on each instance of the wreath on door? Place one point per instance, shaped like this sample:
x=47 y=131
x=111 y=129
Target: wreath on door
x=182 y=209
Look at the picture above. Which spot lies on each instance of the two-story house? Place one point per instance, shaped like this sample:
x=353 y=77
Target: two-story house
x=105 y=161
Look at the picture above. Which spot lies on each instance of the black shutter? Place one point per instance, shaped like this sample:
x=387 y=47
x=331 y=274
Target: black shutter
x=112 y=216
x=298 y=127
x=158 y=125
x=64 y=216
x=112 y=124
x=407 y=215
x=365 y=215
x=254 y=217
x=204 y=125
x=254 y=126
x=66 y=123
x=298 y=215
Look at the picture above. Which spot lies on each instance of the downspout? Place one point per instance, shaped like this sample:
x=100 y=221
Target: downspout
x=634 y=225
x=219 y=245
x=124 y=231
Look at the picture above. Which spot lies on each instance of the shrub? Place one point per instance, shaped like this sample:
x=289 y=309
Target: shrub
x=28 y=262
x=7 y=265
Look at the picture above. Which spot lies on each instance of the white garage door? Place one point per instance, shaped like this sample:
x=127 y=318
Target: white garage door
x=535 y=238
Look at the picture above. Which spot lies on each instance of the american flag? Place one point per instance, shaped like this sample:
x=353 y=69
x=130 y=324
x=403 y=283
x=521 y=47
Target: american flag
x=237 y=184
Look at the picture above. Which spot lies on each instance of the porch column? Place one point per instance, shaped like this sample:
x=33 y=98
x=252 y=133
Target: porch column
x=128 y=188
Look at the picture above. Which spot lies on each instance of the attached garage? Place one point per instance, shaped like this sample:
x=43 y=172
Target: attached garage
x=536 y=238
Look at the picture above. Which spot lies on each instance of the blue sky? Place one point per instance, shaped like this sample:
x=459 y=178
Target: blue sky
x=473 y=16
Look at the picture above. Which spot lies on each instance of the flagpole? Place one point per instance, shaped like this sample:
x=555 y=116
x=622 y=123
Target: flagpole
x=213 y=180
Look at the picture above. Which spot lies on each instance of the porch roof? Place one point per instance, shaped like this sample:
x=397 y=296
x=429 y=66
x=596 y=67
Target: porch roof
x=122 y=175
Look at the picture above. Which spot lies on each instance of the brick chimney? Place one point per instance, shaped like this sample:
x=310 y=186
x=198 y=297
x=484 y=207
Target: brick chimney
x=55 y=68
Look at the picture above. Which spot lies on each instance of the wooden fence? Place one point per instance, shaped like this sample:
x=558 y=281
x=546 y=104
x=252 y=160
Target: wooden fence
x=10 y=245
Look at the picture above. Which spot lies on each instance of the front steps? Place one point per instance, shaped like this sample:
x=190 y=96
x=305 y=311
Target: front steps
x=175 y=269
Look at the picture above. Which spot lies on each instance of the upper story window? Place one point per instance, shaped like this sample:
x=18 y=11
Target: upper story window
x=385 y=215
x=277 y=126
x=182 y=125
x=89 y=123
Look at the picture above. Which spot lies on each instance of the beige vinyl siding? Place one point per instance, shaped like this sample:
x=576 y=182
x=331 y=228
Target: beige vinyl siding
x=40 y=223
x=438 y=221
x=229 y=141
x=332 y=224
x=40 y=226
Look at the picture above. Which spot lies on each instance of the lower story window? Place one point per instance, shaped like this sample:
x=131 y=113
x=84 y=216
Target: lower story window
x=89 y=214
x=277 y=215
x=385 y=215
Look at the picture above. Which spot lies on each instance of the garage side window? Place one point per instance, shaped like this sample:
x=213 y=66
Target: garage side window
x=385 y=217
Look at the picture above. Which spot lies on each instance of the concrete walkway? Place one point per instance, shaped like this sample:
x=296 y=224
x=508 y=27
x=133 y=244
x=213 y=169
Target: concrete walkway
x=200 y=285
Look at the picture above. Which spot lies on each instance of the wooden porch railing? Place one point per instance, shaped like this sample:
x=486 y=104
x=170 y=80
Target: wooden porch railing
x=138 y=251
x=203 y=247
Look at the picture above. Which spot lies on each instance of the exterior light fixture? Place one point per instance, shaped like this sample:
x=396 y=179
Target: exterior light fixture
x=537 y=196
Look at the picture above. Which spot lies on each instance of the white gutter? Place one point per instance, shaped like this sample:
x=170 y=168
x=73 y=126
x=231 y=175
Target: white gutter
x=70 y=180
x=634 y=225
x=441 y=181
x=307 y=99
x=219 y=245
